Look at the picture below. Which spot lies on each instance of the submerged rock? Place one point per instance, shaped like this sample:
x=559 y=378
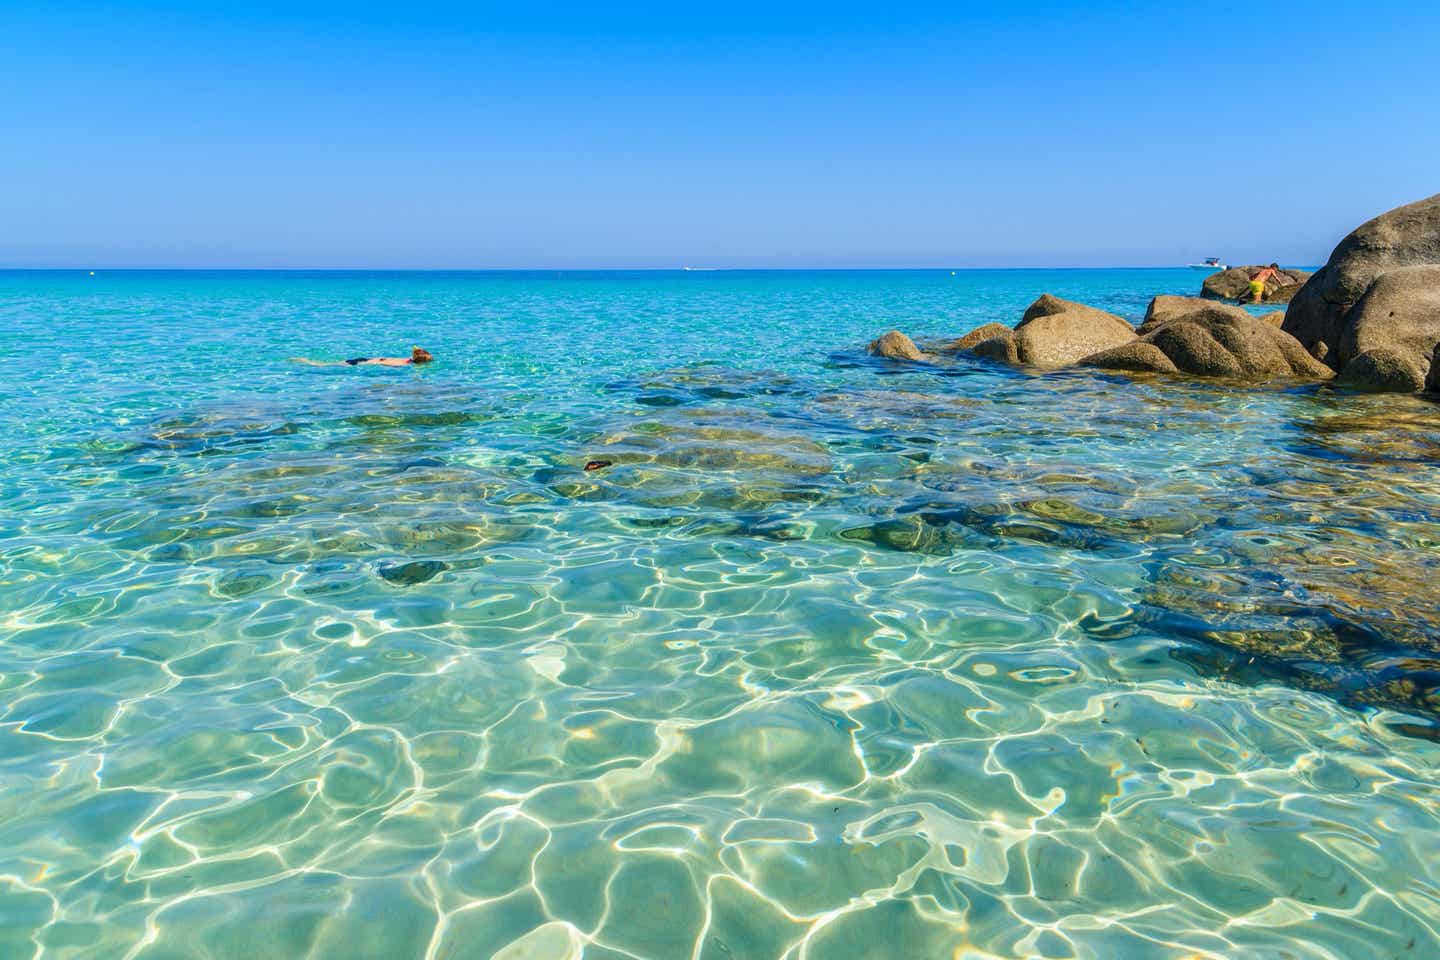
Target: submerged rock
x=1234 y=284
x=1401 y=318
x=730 y=441
x=1207 y=339
x=416 y=571
x=896 y=346
x=1057 y=333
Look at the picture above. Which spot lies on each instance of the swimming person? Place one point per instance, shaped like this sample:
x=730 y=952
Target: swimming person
x=418 y=355
x=1257 y=282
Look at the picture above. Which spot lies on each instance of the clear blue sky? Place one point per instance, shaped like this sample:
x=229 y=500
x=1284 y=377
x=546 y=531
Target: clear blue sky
x=265 y=134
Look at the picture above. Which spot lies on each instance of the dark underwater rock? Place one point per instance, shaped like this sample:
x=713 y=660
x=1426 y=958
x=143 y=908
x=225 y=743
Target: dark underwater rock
x=409 y=574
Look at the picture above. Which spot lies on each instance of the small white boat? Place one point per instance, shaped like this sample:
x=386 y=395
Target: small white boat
x=1211 y=263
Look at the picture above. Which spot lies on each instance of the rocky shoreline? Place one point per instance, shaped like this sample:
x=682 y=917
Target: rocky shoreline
x=1369 y=319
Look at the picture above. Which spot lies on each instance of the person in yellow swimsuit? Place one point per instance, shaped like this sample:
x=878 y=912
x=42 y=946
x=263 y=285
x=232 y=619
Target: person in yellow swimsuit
x=1257 y=282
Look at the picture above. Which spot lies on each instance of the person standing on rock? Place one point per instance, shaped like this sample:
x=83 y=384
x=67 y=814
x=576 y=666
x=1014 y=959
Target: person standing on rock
x=1257 y=282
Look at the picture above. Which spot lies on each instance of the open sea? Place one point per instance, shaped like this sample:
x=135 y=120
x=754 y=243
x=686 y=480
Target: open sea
x=838 y=659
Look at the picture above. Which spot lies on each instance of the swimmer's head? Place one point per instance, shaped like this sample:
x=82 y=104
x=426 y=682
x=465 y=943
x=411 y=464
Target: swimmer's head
x=420 y=355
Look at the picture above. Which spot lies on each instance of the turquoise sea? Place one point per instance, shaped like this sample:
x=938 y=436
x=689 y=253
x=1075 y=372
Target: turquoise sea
x=838 y=659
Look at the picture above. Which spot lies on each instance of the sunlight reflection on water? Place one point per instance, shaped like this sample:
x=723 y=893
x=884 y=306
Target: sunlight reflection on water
x=836 y=659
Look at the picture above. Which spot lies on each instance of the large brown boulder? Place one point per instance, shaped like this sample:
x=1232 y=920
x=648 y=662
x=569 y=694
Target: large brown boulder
x=1234 y=284
x=1167 y=309
x=978 y=335
x=1241 y=347
x=896 y=346
x=1057 y=333
x=1384 y=370
x=1210 y=340
x=1049 y=305
x=1391 y=334
x=1320 y=314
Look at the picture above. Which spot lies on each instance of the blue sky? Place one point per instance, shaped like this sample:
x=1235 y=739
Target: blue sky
x=760 y=135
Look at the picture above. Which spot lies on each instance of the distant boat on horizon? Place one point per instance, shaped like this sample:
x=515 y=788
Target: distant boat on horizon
x=699 y=269
x=1212 y=264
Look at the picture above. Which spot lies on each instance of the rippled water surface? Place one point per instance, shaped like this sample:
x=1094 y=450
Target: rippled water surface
x=838 y=659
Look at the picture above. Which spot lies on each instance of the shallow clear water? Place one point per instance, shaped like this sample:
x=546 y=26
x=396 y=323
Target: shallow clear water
x=839 y=659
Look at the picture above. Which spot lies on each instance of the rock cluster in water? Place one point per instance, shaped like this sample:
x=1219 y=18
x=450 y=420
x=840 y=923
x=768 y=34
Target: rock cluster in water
x=1207 y=339
x=1186 y=335
x=1370 y=316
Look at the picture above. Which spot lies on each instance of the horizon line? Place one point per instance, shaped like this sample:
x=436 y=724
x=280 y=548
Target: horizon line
x=683 y=269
